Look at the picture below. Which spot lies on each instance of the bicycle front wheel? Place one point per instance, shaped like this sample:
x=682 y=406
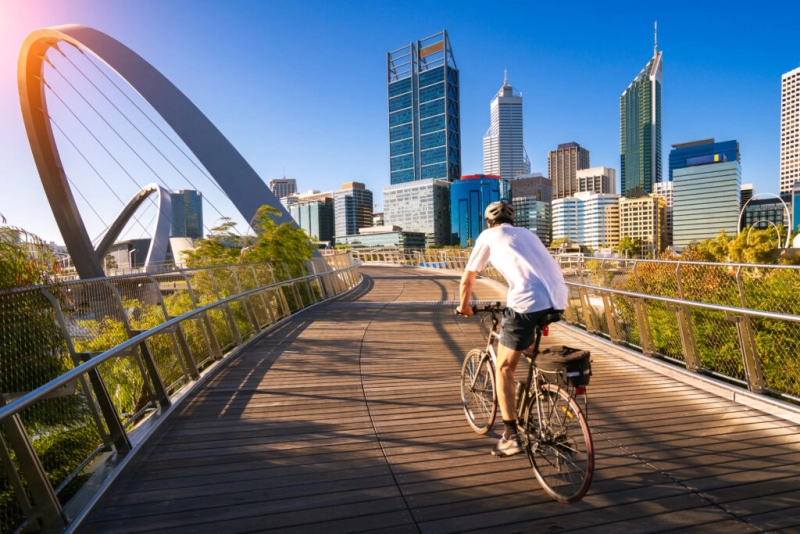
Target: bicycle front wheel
x=478 y=394
x=559 y=445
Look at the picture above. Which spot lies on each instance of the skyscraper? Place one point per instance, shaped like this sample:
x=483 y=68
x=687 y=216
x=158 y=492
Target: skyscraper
x=597 y=180
x=283 y=187
x=503 y=150
x=790 y=129
x=352 y=208
x=469 y=197
x=421 y=206
x=424 y=115
x=563 y=165
x=186 y=218
x=640 y=130
x=685 y=154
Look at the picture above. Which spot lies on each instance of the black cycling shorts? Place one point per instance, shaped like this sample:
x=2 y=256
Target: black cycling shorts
x=517 y=329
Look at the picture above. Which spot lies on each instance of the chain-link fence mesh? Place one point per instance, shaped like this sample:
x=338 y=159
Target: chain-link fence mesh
x=48 y=330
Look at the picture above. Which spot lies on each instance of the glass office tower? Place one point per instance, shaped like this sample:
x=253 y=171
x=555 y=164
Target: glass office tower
x=469 y=197
x=352 y=208
x=421 y=206
x=186 y=219
x=640 y=130
x=503 y=148
x=684 y=154
x=424 y=115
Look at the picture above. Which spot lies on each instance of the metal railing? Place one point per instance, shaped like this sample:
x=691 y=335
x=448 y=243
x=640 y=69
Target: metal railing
x=736 y=322
x=84 y=364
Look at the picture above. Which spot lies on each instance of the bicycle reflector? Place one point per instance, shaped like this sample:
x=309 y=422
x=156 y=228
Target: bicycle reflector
x=546 y=330
x=580 y=390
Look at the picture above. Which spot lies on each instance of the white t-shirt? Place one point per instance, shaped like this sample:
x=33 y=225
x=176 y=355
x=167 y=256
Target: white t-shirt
x=535 y=282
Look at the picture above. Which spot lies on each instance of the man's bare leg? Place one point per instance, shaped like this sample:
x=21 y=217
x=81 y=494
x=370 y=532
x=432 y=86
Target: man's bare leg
x=507 y=360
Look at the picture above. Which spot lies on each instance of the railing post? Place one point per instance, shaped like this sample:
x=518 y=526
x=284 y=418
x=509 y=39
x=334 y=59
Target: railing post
x=643 y=322
x=46 y=506
x=158 y=390
x=679 y=282
x=747 y=344
x=211 y=336
x=586 y=305
x=116 y=430
x=611 y=317
x=691 y=355
x=233 y=329
x=178 y=338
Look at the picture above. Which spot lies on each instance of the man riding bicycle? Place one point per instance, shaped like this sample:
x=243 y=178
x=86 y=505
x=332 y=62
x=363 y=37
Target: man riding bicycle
x=535 y=288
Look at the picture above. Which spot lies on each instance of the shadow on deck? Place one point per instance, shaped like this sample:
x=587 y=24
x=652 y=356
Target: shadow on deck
x=347 y=418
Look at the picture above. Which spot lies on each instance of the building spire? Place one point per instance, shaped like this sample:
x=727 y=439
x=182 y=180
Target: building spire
x=505 y=77
x=655 y=38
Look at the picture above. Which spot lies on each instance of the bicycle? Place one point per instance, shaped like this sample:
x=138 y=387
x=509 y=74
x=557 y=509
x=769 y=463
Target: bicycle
x=551 y=425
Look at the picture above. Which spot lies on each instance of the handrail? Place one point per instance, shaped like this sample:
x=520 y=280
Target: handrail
x=697 y=304
x=31 y=397
x=166 y=358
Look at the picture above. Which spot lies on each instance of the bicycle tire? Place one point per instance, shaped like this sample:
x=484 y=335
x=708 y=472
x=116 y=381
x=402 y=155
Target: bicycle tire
x=559 y=446
x=479 y=401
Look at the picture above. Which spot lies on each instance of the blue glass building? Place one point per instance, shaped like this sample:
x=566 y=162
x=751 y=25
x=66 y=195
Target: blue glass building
x=704 y=151
x=469 y=197
x=424 y=115
x=186 y=218
x=796 y=207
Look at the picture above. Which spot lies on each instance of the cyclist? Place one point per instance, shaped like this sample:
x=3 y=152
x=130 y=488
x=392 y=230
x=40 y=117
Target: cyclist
x=535 y=287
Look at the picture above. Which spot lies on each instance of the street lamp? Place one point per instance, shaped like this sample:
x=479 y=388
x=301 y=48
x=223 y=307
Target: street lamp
x=785 y=207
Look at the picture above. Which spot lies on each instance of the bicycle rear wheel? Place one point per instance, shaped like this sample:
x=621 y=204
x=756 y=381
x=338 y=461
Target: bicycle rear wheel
x=478 y=394
x=559 y=445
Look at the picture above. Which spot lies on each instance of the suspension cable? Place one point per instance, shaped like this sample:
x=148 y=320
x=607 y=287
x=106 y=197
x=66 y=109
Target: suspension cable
x=178 y=147
x=80 y=152
x=152 y=144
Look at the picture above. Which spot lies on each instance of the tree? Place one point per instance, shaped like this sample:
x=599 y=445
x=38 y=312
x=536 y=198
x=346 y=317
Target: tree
x=221 y=247
x=630 y=247
x=560 y=242
x=273 y=242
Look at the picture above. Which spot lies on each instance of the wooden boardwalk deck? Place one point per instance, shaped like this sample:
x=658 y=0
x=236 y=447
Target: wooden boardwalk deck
x=347 y=418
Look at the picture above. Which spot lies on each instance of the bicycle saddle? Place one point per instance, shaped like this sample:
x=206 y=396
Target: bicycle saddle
x=551 y=317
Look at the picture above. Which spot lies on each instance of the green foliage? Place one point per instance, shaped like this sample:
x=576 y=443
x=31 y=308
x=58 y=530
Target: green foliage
x=284 y=242
x=219 y=248
x=629 y=247
x=748 y=246
x=561 y=241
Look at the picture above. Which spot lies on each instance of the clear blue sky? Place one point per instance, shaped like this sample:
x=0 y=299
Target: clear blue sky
x=301 y=86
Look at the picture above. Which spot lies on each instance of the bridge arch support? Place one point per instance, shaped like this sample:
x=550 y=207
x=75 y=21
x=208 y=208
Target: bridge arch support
x=223 y=162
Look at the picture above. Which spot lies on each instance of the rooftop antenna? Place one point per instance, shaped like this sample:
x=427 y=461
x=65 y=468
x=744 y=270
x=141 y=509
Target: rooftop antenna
x=655 y=38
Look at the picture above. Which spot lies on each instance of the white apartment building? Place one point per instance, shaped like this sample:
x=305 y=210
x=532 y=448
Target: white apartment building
x=790 y=130
x=283 y=187
x=503 y=150
x=597 y=180
x=586 y=218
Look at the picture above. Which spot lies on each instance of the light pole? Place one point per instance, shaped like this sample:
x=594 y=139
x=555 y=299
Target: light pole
x=786 y=209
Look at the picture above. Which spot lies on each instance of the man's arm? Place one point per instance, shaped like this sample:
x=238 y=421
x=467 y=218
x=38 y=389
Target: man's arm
x=465 y=291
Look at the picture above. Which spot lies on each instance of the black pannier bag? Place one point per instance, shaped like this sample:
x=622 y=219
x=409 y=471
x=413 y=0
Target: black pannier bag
x=565 y=366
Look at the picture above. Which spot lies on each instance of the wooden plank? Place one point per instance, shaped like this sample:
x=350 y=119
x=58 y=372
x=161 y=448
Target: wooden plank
x=348 y=418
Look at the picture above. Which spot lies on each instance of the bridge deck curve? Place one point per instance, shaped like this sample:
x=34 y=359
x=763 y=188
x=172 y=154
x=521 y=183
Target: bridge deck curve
x=347 y=418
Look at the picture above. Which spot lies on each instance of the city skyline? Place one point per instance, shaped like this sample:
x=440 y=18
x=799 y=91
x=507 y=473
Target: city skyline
x=571 y=82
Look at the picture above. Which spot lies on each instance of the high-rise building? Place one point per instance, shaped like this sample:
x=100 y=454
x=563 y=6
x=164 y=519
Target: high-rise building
x=533 y=214
x=186 y=218
x=424 y=116
x=283 y=187
x=763 y=212
x=645 y=218
x=796 y=207
x=503 y=149
x=315 y=217
x=685 y=154
x=532 y=186
x=352 y=208
x=597 y=180
x=746 y=193
x=421 y=206
x=563 y=165
x=706 y=199
x=469 y=197
x=664 y=190
x=790 y=130
x=586 y=218
x=640 y=130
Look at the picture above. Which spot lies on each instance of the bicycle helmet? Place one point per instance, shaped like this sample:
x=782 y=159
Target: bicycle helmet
x=499 y=212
